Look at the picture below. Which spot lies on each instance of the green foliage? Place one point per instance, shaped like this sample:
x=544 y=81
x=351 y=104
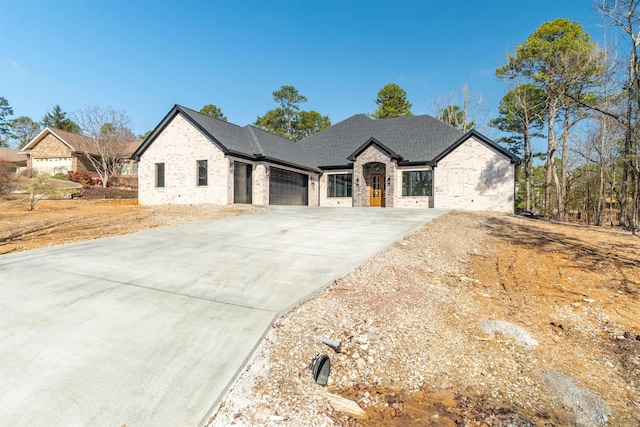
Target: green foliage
x=310 y=122
x=213 y=111
x=274 y=122
x=540 y=57
x=522 y=115
x=5 y=123
x=392 y=102
x=454 y=116
x=288 y=120
x=61 y=176
x=39 y=188
x=58 y=119
x=145 y=135
x=24 y=129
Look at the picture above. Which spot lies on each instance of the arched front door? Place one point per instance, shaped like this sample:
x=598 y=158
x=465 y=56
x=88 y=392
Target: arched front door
x=377 y=189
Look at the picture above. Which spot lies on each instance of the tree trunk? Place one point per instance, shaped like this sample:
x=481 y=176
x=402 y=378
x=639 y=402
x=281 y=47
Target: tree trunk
x=527 y=169
x=562 y=194
x=551 y=150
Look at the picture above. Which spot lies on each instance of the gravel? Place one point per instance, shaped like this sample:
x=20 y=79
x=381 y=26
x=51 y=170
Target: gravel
x=522 y=337
x=568 y=393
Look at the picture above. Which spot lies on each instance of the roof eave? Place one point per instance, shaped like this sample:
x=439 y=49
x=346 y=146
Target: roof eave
x=165 y=122
x=380 y=146
x=474 y=133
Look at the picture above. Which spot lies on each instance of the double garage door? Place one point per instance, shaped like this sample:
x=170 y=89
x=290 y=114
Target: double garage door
x=288 y=188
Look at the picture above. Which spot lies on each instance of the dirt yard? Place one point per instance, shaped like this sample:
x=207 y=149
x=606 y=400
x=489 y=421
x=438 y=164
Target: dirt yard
x=475 y=319
x=64 y=221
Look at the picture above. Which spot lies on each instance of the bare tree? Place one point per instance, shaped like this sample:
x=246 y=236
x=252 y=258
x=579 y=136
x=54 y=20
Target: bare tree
x=109 y=134
x=8 y=181
x=462 y=113
x=38 y=189
x=625 y=15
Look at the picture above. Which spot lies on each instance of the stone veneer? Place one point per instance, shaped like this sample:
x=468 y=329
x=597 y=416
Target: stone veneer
x=361 y=171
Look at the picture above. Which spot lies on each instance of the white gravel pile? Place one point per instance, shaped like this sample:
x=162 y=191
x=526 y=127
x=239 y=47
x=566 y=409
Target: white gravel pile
x=522 y=337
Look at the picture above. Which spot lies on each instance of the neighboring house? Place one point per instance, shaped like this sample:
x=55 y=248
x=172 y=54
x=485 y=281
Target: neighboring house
x=405 y=162
x=15 y=157
x=58 y=151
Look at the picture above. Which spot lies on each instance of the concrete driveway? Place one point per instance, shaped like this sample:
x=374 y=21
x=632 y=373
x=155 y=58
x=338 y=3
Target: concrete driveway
x=150 y=329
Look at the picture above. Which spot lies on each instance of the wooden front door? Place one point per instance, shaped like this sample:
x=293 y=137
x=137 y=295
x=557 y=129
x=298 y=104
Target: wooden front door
x=376 y=192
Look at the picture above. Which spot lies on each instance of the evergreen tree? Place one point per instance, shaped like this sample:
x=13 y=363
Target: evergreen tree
x=58 y=119
x=392 y=102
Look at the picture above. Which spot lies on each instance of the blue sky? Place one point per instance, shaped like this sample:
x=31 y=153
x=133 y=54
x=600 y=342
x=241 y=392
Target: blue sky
x=144 y=56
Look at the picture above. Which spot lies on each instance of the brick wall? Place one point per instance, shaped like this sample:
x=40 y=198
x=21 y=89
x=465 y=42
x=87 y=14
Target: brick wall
x=179 y=146
x=475 y=177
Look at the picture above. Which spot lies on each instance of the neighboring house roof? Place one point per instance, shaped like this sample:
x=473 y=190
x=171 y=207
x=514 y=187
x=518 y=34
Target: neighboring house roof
x=11 y=155
x=76 y=142
x=409 y=140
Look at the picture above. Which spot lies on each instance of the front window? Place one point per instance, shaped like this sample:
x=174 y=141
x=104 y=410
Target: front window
x=159 y=174
x=417 y=183
x=135 y=168
x=202 y=172
x=124 y=168
x=339 y=185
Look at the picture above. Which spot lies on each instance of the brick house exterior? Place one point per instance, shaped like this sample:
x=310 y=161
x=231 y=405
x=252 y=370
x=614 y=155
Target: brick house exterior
x=404 y=162
x=58 y=151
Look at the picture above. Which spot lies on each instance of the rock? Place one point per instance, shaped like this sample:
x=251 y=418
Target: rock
x=347 y=406
x=361 y=339
x=630 y=335
x=361 y=364
x=588 y=300
x=576 y=304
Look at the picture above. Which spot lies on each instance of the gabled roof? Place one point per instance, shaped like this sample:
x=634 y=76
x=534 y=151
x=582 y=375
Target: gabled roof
x=474 y=133
x=248 y=141
x=411 y=138
x=74 y=141
x=381 y=147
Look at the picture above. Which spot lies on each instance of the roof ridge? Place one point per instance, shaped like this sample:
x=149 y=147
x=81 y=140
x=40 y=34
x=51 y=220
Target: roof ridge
x=255 y=139
x=190 y=110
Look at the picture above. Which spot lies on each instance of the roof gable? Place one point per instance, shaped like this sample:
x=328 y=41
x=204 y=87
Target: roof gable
x=408 y=140
x=59 y=134
x=248 y=141
x=378 y=145
x=474 y=133
x=74 y=141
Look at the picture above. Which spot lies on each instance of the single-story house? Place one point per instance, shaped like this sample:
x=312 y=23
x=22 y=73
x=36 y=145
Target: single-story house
x=57 y=151
x=404 y=162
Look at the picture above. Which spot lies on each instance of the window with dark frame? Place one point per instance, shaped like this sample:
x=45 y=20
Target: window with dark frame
x=202 y=173
x=159 y=174
x=417 y=183
x=339 y=185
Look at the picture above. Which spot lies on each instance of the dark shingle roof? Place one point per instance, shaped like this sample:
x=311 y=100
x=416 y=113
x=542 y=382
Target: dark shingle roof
x=249 y=140
x=409 y=139
x=415 y=138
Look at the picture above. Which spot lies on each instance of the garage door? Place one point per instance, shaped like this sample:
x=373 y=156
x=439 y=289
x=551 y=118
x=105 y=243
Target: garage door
x=287 y=188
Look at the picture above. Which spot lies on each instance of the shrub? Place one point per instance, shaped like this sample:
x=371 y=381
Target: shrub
x=81 y=177
x=8 y=180
x=29 y=173
x=61 y=176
